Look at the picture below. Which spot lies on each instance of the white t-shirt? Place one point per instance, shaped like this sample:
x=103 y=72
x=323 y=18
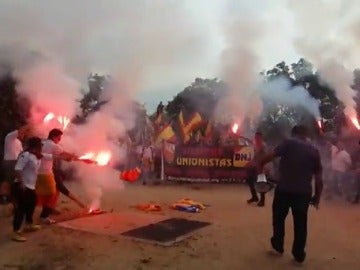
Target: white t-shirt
x=340 y=160
x=49 y=147
x=12 y=146
x=29 y=166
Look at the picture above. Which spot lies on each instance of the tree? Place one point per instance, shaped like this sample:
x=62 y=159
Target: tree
x=91 y=101
x=282 y=117
x=200 y=96
x=14 y=109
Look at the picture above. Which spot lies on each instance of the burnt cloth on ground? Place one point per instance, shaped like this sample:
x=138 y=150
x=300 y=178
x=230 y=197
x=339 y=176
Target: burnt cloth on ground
x=167 y=230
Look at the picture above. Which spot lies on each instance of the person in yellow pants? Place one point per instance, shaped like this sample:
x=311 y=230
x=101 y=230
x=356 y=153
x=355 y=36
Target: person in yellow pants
x=46 y=184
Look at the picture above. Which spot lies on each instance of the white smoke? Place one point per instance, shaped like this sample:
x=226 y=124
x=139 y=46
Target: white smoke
x=280 y=91
x=52 y=46
x=249 y=40
x=240 y=67
x=329 y=36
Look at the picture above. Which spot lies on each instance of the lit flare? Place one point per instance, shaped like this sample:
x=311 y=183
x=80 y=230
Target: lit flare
x=64 y=121
x=235 y=128
x=355 y=121
x=101 y=159
x=319 y=124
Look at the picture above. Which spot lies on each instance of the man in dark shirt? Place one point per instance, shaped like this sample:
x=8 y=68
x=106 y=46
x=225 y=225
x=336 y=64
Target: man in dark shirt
x=299 y=162
x=259 y=152
x=356 y=167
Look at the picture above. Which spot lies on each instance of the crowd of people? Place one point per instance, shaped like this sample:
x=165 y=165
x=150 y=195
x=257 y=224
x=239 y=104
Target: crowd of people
x=30 y=178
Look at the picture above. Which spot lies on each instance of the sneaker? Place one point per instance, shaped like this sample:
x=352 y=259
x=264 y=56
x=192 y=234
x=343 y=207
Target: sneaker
x=261 y=204
x=32 y=228
x=299 y=258
x=252 y=200
x=47 y=221
x=17 y=237
x=276 y=247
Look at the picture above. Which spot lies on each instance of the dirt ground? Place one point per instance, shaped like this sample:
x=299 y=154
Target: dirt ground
x=237 y=239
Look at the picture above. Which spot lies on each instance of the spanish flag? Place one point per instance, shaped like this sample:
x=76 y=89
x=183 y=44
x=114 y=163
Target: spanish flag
x=158 y=119
x=166 y=134
x=208 y=130
x=187 y=127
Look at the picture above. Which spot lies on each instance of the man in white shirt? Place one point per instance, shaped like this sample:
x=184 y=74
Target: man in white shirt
x=46 y=184
x=12 y=149
x=340 y=164
x=23 y=188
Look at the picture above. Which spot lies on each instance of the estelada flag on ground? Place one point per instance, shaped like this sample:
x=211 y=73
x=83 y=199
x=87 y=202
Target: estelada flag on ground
x=165 y=134
x=186 y=127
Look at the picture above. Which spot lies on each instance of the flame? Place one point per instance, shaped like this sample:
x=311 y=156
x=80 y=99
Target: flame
x=102 y=158
x=49 y=117
x=355 y=121
x=62 y=120
x=235 y=128
x=89 y=155
x=319 y=124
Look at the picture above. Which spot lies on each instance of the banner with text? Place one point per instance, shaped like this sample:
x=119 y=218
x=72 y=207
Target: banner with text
x=206 y=164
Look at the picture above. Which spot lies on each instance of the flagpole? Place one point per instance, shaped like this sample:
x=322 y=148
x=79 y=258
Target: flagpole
x=162 y=162
x=162 y=176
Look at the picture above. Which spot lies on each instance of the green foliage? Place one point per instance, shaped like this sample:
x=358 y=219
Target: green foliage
x=14 y=109
x=201 y=96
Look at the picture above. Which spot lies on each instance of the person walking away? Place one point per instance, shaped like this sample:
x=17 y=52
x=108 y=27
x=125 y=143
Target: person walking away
x=259 y=152
x=356 y=167
x=12 y=149
x=340 y=164
x=23 y=188
x=299 y=163
x=46 y=184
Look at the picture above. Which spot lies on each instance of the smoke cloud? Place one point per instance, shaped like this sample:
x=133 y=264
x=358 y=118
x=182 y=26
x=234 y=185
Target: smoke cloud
x=52 y=47
x=280 y=91
x=240 y=68
x=248 y=39
x=329 y=39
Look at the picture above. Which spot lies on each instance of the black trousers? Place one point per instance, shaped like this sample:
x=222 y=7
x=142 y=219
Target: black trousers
x=251 y=180
x=357 y=189
x=299 y=205
x=25 y=203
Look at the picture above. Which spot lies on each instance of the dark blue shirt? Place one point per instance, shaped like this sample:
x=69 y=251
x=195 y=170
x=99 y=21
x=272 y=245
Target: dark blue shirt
x=299 y=161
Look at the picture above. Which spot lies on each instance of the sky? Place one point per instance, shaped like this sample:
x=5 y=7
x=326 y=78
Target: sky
x=212 y=15
x=157 y=46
